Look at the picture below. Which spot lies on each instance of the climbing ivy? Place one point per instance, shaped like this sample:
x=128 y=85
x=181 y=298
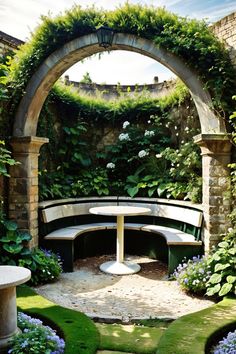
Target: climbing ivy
x=189 y=39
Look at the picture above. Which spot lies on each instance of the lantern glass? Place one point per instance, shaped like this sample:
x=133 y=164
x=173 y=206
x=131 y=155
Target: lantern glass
x=105 y=36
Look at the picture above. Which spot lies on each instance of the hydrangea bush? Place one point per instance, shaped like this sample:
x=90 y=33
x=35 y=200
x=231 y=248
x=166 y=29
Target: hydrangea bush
x=35 y=338
x=227 y=345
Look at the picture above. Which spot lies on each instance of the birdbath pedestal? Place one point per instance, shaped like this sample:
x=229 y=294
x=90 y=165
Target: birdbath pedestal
x=10 y=277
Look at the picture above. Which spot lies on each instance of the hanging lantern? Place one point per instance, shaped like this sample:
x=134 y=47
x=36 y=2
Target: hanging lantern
x=105 y=36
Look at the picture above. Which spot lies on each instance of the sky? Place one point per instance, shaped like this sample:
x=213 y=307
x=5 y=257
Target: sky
x=19 y=18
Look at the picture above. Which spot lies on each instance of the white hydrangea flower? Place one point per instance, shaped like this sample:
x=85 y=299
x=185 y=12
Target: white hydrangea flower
x=124 y=136
x=149 y=133
x=158 y=156
x=125 y=124
x=111 y=165
x=186 y=129
x=143 y=153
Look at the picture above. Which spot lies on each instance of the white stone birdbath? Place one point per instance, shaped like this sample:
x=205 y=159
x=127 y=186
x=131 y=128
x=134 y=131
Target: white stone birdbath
x=10 y=277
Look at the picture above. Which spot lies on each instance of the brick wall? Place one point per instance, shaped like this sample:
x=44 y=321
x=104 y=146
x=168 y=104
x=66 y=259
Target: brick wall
x=225 y=30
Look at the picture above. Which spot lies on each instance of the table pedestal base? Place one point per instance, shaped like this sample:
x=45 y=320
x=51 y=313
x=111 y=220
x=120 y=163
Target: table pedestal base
x=117 y=268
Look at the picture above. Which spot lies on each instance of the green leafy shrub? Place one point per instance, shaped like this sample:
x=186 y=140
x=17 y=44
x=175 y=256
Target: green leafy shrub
x=223 y=264
x=35 y=338
x=13 y=243
x=193 y=275
x=5 y=159
x=45 y=266
x=215 y=274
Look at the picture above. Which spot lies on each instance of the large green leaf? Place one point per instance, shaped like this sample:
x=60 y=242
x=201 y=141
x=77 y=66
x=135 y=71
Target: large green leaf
x=14 y=237
x=25 y=236
x=132 y=191
x=10 y=225
x=220 y=266
x=223 y=244
x=232 y=251
x=5 y=239
x=213 y=290
x=13 y=249
x=215 y=278
x=161 y=189
x=231 y=279
x=225 y=289
x=26 y=252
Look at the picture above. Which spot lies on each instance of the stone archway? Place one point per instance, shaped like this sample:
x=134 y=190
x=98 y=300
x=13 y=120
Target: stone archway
x=213 y=140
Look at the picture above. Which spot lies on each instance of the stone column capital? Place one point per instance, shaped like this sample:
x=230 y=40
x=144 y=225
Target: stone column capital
x=27 y=144
x=214 y=144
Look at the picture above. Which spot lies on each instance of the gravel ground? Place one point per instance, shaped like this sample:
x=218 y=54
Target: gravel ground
x=147 y=294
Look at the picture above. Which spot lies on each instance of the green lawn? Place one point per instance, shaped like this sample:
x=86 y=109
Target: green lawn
x=189 y=334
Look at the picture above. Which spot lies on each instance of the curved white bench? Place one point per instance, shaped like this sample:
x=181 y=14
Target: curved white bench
x=180 y=243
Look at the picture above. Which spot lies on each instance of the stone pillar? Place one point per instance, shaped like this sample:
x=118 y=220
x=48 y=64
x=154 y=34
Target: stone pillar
x=216 y=153
x=23 y=184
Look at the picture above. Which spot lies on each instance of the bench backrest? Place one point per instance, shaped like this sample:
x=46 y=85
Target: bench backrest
x=185 y=215
x=67 y=210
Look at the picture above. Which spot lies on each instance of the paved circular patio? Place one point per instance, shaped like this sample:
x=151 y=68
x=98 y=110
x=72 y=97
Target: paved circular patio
x=147 y=294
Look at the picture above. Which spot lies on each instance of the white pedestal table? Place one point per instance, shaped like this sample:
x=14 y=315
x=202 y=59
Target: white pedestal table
x=120 y=266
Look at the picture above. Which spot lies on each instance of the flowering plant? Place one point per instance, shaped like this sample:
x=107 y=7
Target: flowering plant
x=227 y=345
x=111 y=165
x=126 y=124
x=45 y=266
x=143 y=153
x=35 y=338
x=124 y=137
x=193 y=275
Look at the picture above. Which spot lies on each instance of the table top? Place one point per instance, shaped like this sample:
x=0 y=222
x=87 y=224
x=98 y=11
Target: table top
x=119 y=210
x=13 y=275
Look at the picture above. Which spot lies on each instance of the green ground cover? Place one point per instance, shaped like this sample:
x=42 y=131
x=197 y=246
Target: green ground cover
x=188 y=334
x=80 y=333
x=129 y=338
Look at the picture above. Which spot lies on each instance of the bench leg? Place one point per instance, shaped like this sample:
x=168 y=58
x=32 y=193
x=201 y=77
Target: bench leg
x=176 y=254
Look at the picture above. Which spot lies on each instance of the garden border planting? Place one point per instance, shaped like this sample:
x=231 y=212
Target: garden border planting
x=80 y=333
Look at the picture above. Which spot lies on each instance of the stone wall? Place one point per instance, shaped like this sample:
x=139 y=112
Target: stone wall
x=225 y=30
x=8 y=43
x=109 y=92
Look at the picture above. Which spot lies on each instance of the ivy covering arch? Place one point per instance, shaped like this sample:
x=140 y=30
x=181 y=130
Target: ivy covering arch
x=190 y=40
x=186 y=46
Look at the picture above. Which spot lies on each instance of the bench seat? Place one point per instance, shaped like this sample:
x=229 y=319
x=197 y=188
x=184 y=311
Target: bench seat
x=71 y=232
x=172 y=236
x=161 y=222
